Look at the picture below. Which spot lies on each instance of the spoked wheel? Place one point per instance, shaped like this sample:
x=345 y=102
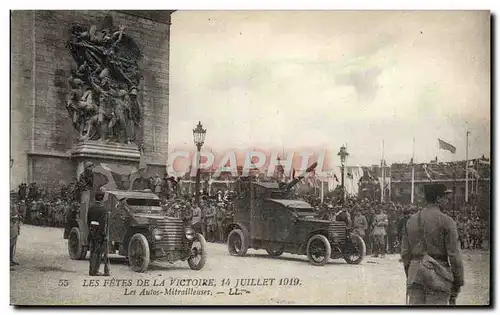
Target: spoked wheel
x=354 y=250
x=76 y=250
x=237 y=243
x=318 y=250
x=138 y=253
x=198 y=256
x=275 y=250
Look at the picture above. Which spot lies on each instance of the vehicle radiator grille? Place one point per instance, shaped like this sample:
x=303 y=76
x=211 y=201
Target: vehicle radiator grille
x=172 y=234
x=337 y=231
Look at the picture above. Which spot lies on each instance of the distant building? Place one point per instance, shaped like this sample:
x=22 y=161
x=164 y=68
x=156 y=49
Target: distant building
x=451 y=174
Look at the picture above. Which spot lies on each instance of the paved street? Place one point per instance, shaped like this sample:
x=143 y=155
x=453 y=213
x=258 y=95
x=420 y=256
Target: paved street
x=45 y=265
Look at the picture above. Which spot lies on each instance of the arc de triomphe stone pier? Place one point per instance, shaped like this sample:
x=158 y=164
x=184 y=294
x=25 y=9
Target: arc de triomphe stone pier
x=87 y=86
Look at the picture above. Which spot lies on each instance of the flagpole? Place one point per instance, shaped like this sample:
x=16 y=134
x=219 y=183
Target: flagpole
x=437 y=151
x=472 y=182
x=413 y=173
x=382 y=194
x=322 y=191
x=477 y=177
x=467 y=166
x=390 y=184
x=352 y=184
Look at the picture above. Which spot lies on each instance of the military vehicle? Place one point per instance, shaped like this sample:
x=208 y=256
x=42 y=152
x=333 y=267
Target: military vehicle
x=266 y=218
x=139 y=231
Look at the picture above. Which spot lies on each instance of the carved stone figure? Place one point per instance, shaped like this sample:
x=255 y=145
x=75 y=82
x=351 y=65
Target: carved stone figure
x=72 y=105
x=118 y=123
x=102 y=101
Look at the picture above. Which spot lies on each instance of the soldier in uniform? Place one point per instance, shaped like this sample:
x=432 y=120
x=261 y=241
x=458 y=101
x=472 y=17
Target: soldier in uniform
x=157 y=185
x=139 y=180
x=15 y=226
x=392 y=230
x=402 y=224
x=370 y=218
x=359 y=223
x=96 y=221
x=85 y=181
x=379 y=232
x=219 y=221
x=344 y=216
x=431 y=239
x=211 y=221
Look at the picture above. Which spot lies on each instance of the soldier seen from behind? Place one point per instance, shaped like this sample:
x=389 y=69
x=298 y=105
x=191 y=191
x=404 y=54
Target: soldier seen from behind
x=96 y=221
x=431 y=253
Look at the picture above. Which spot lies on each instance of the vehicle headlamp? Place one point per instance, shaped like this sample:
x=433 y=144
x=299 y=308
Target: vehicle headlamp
x=157 y=234
x=190 y=233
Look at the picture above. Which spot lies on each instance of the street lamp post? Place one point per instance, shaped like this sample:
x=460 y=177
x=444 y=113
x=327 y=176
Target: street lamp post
x=343 y=156
x=199 y=139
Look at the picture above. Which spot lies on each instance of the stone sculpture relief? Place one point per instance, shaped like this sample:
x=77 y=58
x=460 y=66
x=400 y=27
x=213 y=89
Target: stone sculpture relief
x=103 y=102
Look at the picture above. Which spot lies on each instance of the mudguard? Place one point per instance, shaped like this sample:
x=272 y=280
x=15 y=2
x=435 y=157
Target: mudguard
x=243 y=228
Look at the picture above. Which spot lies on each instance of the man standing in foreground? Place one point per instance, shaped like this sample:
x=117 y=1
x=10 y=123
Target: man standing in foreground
x=431 y=254
x=96 y=220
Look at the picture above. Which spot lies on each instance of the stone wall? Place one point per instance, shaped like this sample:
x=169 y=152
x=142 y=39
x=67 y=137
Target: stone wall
x=22 y=90
x=52 y=171
x=41 y=64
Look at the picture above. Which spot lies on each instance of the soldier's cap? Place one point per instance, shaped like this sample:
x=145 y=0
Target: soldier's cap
x=88 y=164
x=99 y=195
x=433 y=192
x=448 y=191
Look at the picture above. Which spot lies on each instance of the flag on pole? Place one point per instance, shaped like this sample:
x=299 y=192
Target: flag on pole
x=427 y=172
x=443 y=145
x=312 y=179
x=434 y=172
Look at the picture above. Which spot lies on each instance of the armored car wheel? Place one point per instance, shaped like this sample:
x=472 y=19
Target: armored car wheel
x=275 y=250
x=318 y=250
x=354 y=250
x=138 y=253
x=198 y=256
x=237 y=243
x=76 y=250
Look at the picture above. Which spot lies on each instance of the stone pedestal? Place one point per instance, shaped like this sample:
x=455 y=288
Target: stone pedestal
x=104 y=152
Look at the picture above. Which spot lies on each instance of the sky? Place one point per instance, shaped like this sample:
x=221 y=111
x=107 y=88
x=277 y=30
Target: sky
x=319 y=79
